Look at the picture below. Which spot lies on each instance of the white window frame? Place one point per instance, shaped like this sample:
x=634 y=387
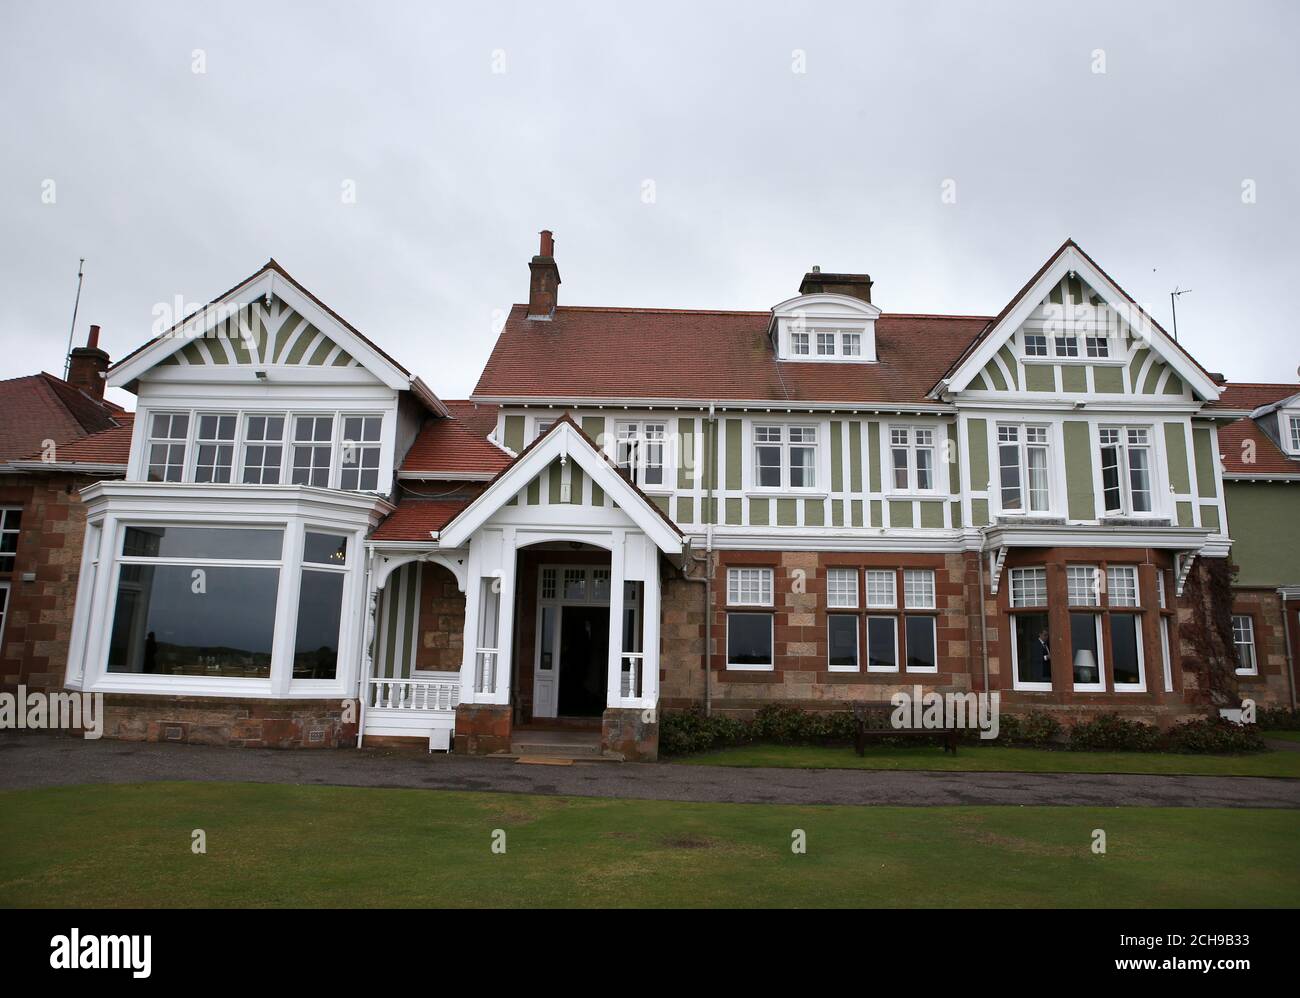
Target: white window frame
x=771 y=641
x=1017 y=587
x=191 y=473
x=1140 y=641
x=1123 y=447
x=736 y=586
x=6 y=589
x=785 y=445
x=934 y=642
x=183 y=442
x=907 y=440
x=16 y=531
x=878 y=574
x=893 y=619
x=360 y=446
x=837 y=594
x=632 y=446
x=1251 y=642
x=1289 y=427
x=1023 y=445
x=919 y=592
x=245 y=443
x=857 y=643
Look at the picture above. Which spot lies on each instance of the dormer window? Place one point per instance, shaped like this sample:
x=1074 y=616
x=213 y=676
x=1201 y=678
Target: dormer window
x=826 y=328
x=1293 y=432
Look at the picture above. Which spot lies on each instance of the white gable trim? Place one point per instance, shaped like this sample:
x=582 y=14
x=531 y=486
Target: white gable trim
x=1072 y=261
x=266 y=283
x=562 y=440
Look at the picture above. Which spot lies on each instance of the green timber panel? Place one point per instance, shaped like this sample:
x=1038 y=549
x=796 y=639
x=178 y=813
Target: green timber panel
x=686 y=453
x=1153 y=378
x=1185 y=515
x=837 y=512
x=733 y=511
x=1009 y=359
x=837 y=456
x=1135 y=367
x=1176 y=448
x=515 y=433
x=814 y=513
x=932 y=514
x=733 y=454
x=1262 y=517
x=995 y=376
x=1078 y=471
x=954 y=468
x=760 y=512
x=956 y=514
x=1210 y=517
x=855 y=513
x=979 y=511
x=786 y=513
x=1073 y=378
x=1174 y=386
x=575 y=484
x=1203 y=445
x=877 y=514
x=685 y=509
x=900 y=513
x=978 y=384
x=1039 y=378
x=873 y=446
x=1108 y=380
x=556 y=474
x=978 y=445
x=855 y=455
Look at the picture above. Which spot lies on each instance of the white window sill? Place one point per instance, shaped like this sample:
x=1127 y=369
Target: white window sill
x=785 y=494
x=749 y=668
x=1120 y=688
x=1089 y=688
x=909 y=496
x=922 y=672
x=1032 y=687
x=1239 y=672
x=1103 y=361
x=842 y=668
x=892 y=670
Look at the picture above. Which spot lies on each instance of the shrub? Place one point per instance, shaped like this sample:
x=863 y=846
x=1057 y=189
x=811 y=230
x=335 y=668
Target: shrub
x=1112 y=733
x=784 y=725
x=1034 y=728
x=1214 y=734
x=685 y=732
x=1278 y=719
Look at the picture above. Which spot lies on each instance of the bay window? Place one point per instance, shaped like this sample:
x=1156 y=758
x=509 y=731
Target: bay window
x=1126 y=469
x=360 y=454
x=214 y=442
x=1125 y=628
x=263 y=449
x=785 y=457
x=320 y=606
x=166 y=444
x=313 y=450
x=912 y=455
x=1030 y=633
x=1083 y=589
x=1023 y=468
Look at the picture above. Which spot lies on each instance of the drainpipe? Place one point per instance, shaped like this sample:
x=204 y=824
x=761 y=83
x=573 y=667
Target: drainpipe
x=1290 y=661
x=984 y=622
x=366 y=661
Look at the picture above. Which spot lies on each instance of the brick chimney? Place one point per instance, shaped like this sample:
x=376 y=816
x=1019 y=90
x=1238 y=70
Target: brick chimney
x=87 y=365
x=854 y=285
x=544 y=279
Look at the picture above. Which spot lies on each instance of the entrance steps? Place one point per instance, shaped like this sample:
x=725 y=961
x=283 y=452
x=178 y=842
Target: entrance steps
x=552 y=744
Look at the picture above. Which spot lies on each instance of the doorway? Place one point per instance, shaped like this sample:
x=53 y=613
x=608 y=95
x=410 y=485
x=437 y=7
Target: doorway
x=584 y=657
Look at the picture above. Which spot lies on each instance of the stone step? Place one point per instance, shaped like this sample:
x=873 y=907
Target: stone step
x=556 y=749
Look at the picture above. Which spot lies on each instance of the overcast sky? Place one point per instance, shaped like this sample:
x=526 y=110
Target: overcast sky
x=773 y=137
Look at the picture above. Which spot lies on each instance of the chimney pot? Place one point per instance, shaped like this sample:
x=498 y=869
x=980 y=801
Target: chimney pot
x=854 y=285
x=544 y=279
x=87 y=366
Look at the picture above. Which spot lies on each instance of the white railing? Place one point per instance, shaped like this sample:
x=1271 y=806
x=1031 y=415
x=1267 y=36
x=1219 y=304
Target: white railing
x=415 y=694
x=633 y=664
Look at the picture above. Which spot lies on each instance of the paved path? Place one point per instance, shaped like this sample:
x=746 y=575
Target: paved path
x=44 y=761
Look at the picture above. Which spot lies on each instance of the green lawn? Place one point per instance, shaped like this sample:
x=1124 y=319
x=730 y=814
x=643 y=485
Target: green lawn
x=996 y=759
x=1286 y=736
x=272 y=845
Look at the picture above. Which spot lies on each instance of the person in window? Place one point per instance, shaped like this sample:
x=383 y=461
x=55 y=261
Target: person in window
x=1041 y=658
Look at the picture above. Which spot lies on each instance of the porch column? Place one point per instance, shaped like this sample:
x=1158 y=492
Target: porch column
x=506 y=617
x=614 y=674
x=650 y=627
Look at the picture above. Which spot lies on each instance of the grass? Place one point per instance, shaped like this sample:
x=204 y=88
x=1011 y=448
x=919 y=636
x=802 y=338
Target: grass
x=1286 y=736
x=274 y=845
x=994 y=759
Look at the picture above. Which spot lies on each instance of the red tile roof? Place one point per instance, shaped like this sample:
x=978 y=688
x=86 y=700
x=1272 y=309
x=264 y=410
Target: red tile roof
x=41 y=407
x=1268 y=457
x=106 y=447
x=1249 y=395
x=413 y=519
x=700 y=355
x=457 y=446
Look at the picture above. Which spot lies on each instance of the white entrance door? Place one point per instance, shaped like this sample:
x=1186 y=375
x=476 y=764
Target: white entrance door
x=559 y=586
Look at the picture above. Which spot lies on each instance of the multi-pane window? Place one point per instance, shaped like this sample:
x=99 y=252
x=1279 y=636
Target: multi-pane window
x=1067 y=346
x=1125 y=628
x=912 y=452
x=1243 y=637
x=1098 y=346
x=1121 y=585
x=540 y=426
x=842 y=588
x=360 y=453
x=1035 y=345
x=1083 y=589
x=785 y=456
x=918 y=589
x=920 y=629
x=851 y=344
x=882 y=589
x=313 y=449
x=749 y=586
x=639 y=451
x=1028 y=587
x=1126 y=469
x=825 y=344
x=1083 y=585
x=1023 y=468
x=263 y=449
x=168 y=432
x=10 y=523
x=214 y=444
x=799 y=344
x=1293 y=424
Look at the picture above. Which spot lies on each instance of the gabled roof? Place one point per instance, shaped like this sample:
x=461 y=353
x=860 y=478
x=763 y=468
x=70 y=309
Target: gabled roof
x=1070 y=257
x=1248 y=396
x=565 y=439
x=608 y=354
x=272 y=279
x=105 y=451
x=456 y=446
x=40 y=407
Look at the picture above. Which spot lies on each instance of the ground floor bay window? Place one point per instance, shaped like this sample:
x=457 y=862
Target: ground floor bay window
x=261 y=604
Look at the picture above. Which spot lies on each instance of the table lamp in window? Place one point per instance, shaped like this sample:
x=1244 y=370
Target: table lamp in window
x=1085 y=666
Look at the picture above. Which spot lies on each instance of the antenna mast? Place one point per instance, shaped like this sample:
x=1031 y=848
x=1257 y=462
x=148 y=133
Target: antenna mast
x=1173 y=305
x=67 y=354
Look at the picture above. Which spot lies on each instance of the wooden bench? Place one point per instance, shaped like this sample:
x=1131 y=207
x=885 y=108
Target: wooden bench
x=874 y=720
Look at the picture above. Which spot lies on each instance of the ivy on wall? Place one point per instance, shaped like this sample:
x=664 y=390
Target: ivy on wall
x=1213 y=658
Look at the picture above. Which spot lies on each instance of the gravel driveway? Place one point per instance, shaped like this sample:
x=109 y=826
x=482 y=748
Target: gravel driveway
x=44 y=761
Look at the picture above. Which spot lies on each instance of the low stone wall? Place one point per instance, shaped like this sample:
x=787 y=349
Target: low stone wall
x=237 y=723
x=482 y=728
